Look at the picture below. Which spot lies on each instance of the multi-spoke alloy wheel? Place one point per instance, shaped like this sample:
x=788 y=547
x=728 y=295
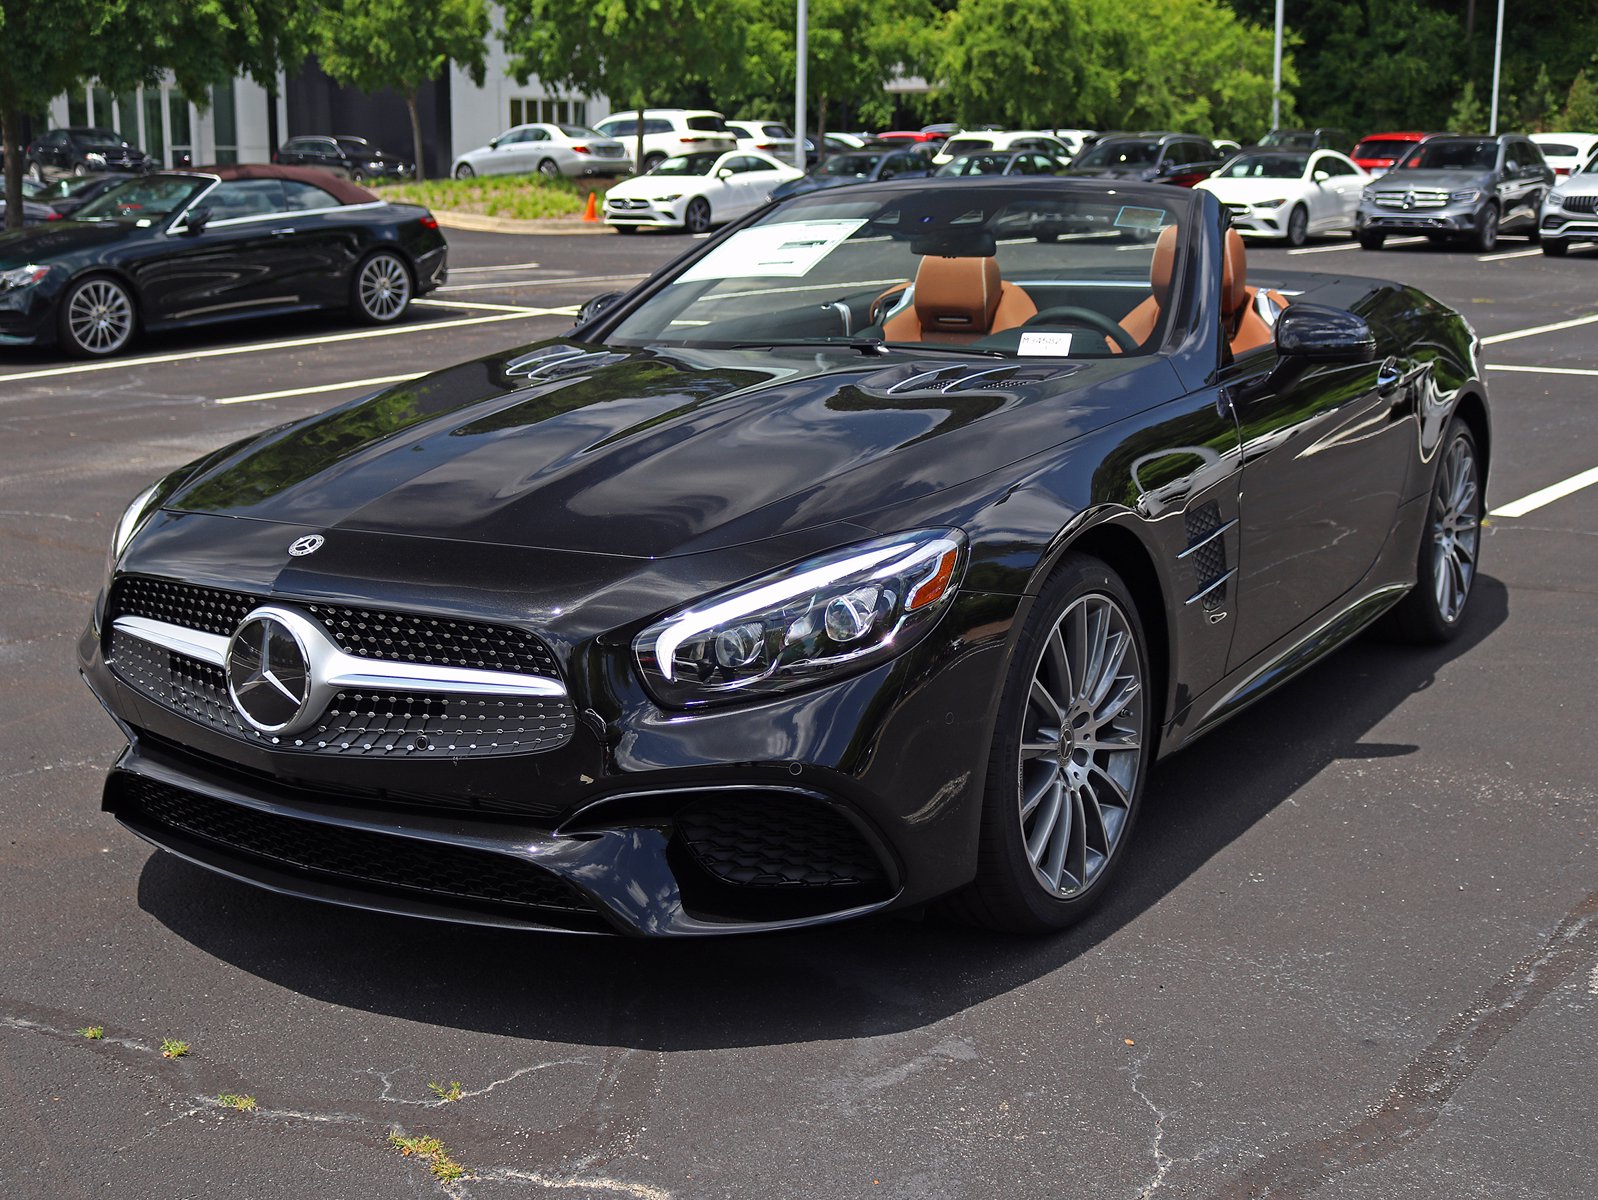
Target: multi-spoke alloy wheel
x=97 y=318
x=1070 y=751
x=382 y=288
x=1456 y=529
x=1081 y=744
x=1445 y=568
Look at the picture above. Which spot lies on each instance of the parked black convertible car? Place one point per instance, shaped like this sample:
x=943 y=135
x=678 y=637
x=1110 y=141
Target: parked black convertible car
x=864 y=557
x=185 y=248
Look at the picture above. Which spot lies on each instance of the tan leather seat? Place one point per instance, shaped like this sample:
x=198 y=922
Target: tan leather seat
x=959 y=300
x=1241 y=322
x=1140 y=322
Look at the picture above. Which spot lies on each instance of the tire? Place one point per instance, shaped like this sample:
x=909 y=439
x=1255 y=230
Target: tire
x=79 y=170
x=97 y=317
x=1298 y=226
x=696 y=217
x=651 y=161
x=1485 y=239
x=625 y=229
x=381 y=288
x=1446 y=562
x=1035 y=874
x=1371 y=241
x=357 y=176
x=1554 y=248
x=34 y=173
x=464 y=171
x=548 y=169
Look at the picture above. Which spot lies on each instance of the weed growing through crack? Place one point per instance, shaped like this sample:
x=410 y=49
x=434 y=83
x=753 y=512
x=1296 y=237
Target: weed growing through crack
x=430 y=1150
x=242 y=1103
x=172 y=1048
x=93 y=1032
x=446 y=1092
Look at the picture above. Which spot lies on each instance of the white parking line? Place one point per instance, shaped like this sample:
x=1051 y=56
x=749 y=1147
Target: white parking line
x=1536 y=329
x=1409 y=241
x=482 y=306
x=376 y=381
x=1542 y=370
x=149 y=360
x=1554 y=491
x=486 y=270
x=1510 y=254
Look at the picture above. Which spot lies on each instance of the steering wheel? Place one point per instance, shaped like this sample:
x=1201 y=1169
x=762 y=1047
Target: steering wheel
x=1070 y=315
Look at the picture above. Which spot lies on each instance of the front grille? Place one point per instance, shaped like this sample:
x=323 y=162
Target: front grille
x=355 y=856
x=1580 y=204
x=396 y=724
x=368 y=632
x=772 y=841
x=630 y=205
x=1412 y=198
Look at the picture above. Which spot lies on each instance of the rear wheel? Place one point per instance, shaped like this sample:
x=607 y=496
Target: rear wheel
x=1486 y=236
x=1069 y=756
x=97 y=318
x=1298 y=226
x=696 y=218
x=548 y=169
x=1445 y=573
x=1371 y=241
x=381 y=289
x=651 y=161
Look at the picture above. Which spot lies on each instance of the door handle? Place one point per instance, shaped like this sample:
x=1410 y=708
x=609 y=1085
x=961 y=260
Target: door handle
x=1388 y=376
x=282 y=232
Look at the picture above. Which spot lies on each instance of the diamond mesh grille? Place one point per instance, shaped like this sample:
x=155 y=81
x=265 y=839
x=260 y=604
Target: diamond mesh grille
x=775 y=841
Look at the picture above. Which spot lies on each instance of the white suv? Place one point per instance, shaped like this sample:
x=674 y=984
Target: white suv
x=976 y=141
x=670 y=132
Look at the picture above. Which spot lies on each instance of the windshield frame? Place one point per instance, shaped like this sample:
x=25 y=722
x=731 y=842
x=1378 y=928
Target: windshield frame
x=1284 y=153
x=1089 y=158
x=170 y=219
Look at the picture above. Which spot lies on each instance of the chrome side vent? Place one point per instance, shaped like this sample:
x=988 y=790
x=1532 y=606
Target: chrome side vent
x=552 y=362
x=1206 y=550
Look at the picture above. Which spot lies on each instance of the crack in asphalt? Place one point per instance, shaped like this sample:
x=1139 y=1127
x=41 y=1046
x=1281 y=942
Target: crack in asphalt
x=1415 y=1102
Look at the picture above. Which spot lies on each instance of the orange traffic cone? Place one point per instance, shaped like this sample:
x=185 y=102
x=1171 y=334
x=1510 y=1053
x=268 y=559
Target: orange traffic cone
x=591 y=213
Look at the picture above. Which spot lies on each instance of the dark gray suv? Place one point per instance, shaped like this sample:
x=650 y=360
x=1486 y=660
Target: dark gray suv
x=1458 y=189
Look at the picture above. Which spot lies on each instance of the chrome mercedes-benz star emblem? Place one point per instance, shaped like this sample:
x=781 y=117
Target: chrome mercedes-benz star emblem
x=309 y=544
x=268 y=674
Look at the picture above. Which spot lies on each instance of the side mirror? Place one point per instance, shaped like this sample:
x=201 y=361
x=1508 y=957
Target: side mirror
x=1322 y=176
x=724 y=173
x=597 y=305
x=1307 y=334
x=493 y=143
x=197 y=220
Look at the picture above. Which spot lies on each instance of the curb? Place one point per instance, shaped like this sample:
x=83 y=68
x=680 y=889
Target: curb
x=477 y=223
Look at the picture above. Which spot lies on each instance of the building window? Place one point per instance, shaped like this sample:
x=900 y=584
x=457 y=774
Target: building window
x=154 y=140
x=182 y=139
x=224 y=123
x=77 y=108
x=531 y=110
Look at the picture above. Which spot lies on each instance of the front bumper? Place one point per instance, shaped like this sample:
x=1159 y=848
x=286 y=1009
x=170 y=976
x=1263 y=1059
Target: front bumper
x=667 y=214
x=843 y=800
x=1558 y=225
x=27 y=315
x=1450 y=219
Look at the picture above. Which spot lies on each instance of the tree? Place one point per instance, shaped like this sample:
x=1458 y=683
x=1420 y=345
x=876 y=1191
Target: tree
x=403 y=44
x=64 y=45
x=1581 y=104
x=633 y=51
x=1469 y=115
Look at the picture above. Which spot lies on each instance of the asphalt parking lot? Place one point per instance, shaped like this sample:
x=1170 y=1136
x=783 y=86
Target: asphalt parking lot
x=1353 y=952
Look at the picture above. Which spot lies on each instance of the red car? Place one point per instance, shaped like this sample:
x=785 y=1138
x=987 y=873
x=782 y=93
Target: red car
x=1377 y=152
x=908 y=135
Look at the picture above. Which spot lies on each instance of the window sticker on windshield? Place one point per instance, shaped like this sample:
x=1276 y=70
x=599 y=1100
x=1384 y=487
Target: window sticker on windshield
x=1036 y=342
x=792 y=249
x=1140 y=218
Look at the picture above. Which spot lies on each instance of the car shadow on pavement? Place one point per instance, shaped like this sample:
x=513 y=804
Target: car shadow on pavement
x=862 y=979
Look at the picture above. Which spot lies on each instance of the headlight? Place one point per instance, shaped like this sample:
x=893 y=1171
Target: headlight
x=22 y=277
x=1556 y=198
x=1368 y=195
x=1465 y=196
x=93 y=159
x=137 y=512
x=1270 y=203
x=668 y=199
x=806 y=624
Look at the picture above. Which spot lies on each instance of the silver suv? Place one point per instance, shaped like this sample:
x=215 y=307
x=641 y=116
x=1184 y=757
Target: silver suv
x=1570 y=211
x=1458 y=189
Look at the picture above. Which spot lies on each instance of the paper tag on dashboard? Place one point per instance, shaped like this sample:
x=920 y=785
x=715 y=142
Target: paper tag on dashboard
x=1036 y=342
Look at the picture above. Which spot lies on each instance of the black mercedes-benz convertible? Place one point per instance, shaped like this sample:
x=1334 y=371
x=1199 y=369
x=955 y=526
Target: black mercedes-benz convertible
x=866 y=556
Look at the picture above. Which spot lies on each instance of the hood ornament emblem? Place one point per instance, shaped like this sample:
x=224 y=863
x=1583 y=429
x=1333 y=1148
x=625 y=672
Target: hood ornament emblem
x=309 y=544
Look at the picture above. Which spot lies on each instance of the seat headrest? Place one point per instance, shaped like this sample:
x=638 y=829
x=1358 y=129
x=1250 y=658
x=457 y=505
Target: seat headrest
x=1234 y=273
x=959 y=295
x=1163 y=265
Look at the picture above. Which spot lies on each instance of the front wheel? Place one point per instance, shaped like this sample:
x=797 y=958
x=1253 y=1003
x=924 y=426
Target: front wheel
x=1486 y=236
x=357 y=176
x=1445 y=573
x=80 y=170
x=34 y=173
x=1070 y=752
x=1371 y=241
x=1298 y=226
x=464 y=171
x=625 y=228
x=1555 y=248
x=97 y=318
x=696 y=219
x=381 y=289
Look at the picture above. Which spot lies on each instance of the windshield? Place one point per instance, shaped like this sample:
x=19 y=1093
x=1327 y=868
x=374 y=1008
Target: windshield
x=151 y=197
x=1453 y=154
x=357 y=146
x=1289 y=137
x=1265 y=166
x=967 y=145
x=1382 y=148
x=975 y=164
x=846 y=165
x=96 y=137
x=688 y=164
x=1011 y=271
x=1120 y=154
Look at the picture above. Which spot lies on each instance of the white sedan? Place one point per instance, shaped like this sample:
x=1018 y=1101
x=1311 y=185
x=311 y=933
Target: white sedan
x=1290 y=194
x=551 y=150
x=696 y=191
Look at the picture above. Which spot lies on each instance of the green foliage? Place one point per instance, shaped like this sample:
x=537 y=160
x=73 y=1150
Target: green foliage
x=520 y=197
x=239 y=1103
x=1469 y=115
x=446 y=1092
x=1537 y=108
x=172 y=1048
x=1581 y=104
x=93 y=1032
x=431 y=1151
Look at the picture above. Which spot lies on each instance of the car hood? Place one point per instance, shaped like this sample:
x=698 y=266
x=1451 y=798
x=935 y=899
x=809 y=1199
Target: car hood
x=647 y=187
x=654 y=453
x=43 y=244
x=1248 y=190
x=1446 y=180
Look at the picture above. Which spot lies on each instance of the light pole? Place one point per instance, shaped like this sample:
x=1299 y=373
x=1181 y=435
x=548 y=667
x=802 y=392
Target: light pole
x=1276 y=73
x=801 y=53
x=1498 y=62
